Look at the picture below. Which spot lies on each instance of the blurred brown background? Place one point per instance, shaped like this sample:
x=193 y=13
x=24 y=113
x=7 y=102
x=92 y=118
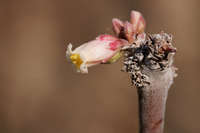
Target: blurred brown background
x=39 y=92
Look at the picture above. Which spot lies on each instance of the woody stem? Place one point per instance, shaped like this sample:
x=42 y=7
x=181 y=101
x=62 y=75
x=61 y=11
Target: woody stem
x=152 y=101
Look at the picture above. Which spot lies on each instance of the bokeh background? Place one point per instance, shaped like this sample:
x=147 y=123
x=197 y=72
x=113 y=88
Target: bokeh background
x=41 y=93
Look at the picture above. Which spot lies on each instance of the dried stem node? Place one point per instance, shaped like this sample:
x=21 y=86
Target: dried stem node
x=154 y=53
x=149 y=63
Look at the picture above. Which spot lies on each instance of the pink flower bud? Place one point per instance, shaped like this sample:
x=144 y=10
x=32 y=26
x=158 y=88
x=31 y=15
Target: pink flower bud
x=117 y=26
x=129 y=31
x=97 y=51
x=137 y=22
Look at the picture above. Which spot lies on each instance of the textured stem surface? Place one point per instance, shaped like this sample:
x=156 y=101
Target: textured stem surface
x=150 y=64
x=152 y=101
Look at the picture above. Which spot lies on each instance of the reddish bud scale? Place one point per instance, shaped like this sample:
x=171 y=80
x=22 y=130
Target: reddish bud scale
x=128 y=30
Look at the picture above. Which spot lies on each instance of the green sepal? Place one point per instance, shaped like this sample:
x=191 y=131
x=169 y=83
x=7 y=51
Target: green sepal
x=115 y=58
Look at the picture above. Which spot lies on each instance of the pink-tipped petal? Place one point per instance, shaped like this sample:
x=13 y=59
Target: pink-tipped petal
x=129 y=33
x=134 y=18
x=117 y=25
x=141 y=25
x=137 y=22
x=115 y=45
x=106 y=38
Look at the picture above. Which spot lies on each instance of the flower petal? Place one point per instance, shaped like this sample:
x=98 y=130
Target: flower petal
x=117 y=26
x=129 y=32
x=137 y=21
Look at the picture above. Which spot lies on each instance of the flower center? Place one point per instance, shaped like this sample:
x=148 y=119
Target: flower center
x=76 y=59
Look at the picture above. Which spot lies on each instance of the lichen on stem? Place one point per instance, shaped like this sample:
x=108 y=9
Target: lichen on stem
x=149 y=63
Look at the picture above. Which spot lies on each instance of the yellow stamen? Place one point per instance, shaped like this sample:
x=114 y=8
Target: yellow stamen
x=74 y=62
x=76 y=59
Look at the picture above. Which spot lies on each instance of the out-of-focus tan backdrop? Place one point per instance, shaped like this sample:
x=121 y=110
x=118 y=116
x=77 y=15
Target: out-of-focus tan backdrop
x=40 y=92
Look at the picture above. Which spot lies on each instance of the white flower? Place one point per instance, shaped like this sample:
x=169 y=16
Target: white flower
x=103 y=49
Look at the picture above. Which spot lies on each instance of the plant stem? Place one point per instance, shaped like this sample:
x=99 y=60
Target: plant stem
x=152 y=101
x=149 y=62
